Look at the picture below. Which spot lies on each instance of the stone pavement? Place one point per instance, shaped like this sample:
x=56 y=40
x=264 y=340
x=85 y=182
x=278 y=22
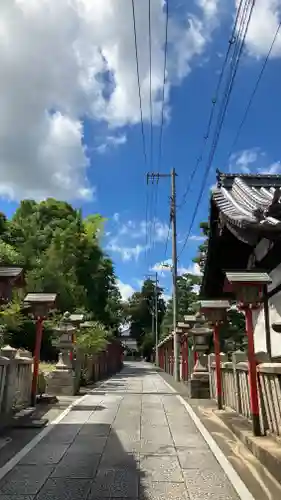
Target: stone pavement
x=131 y=438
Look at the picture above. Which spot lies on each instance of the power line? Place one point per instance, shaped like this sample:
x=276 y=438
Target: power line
x=138 y=78
x=163 y=86
x=150 y=86
x=254 y=91
x=222 y=112
x=155 y=184
x=232 y=40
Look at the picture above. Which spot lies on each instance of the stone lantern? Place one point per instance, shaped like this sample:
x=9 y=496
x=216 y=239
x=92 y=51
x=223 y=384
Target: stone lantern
x=62 y=379
x=65 y=331
x=249 y=287
x=215 y=312
x=199 y=383
x=39 y=305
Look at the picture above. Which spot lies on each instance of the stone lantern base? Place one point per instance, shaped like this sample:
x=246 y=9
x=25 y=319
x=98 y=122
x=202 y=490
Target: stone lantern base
x=62 y=381
x=199 y=386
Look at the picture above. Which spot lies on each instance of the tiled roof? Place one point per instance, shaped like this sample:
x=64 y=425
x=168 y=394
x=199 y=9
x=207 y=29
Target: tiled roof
x=246 y=206
x=10 y=272
x=40 y=297
x=76 y=317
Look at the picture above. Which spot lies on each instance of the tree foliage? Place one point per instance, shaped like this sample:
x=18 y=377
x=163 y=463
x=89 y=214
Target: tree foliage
x=140 y=311
x=93 y=339
x=61 y=253
x=187 y=297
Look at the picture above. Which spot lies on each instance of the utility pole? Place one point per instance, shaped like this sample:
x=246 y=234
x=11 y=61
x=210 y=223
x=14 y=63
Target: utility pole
x=156 y=320
x=156 y=176
x=154 y=315
x=175 y=277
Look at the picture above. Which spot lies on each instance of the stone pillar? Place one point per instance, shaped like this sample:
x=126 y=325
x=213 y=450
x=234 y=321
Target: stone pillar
x=9 y=353
x=4 y=362
x=238 y=357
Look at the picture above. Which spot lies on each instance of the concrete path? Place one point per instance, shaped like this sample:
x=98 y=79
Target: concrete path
x=131 y=438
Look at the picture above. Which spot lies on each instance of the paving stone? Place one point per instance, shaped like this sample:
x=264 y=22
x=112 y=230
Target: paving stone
x=50 y=453
x=17 y=497
x=89 y=430
x=25 y=480
x=62 y=434
x=65 y=489
x=210 y=482
x=160 y=434
x=88 y=444
x=163 y=491
x=78 y=416
x=114 y=460
x=115 y=483
x=153 y=448
x=189 y=441
x=161 y=468
x=198 y=459
x=77 y=465
x=102 y=418
x=123 y=444
x=210 y=495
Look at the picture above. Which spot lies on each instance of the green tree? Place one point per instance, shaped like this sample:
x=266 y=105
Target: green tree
x=140 y=310
x=200 y=258
x=187 y=297
x=61 y=252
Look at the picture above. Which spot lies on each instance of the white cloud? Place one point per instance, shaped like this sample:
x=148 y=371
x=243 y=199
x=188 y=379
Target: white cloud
x=164 y=266
x=62 y=61
x=243 y=160
x=274 y=168
x=253 y=160
x=158 y=230
x=192 y=269
x=126 y=253
x=111 y=141
x=116 y=217
x=262 y=27
x=126 y=290
x=198 y=237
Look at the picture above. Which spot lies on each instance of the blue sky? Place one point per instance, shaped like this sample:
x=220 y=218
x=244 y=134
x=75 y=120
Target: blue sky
x=73 y=132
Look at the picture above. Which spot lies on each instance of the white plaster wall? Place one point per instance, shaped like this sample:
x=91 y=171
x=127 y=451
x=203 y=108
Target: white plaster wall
x=274 y=317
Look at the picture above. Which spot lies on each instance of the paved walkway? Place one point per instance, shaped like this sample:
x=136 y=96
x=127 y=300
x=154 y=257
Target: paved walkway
x=131 y=438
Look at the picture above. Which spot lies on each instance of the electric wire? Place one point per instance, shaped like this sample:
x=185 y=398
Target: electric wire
x=254 y=91
x=138 y=79
x=155 y=183
x=244 y=26
x=212 y=112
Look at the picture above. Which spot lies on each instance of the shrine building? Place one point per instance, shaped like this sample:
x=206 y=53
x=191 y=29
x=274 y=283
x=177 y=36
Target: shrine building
x=245 y=234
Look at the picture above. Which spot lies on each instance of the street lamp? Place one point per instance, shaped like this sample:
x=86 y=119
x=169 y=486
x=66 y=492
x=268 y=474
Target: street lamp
x=75 y=320
x=10 y=277
x=189 y=322
x=65 y=330
x=248 y=287
x=39 y=304
x=215 y=312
